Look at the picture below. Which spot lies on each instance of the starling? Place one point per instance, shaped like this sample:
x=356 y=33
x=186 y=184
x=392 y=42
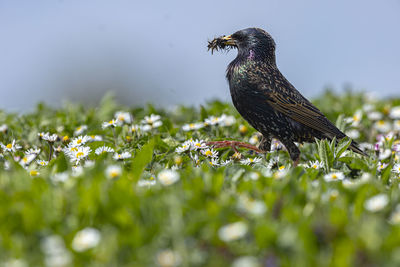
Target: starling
x=269 y=102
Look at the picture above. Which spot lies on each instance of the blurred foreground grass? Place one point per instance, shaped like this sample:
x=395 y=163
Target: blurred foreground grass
x=92 y=187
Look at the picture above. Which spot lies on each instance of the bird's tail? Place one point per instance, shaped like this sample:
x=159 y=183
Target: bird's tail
x=355 y=147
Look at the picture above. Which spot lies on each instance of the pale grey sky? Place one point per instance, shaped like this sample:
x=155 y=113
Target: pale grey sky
x=155 y=51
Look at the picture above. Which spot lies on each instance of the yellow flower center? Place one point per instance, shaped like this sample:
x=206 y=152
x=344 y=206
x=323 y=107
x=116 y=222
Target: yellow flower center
x=381 y=122
x=178 y=160
x=114 y=174
x=33 y=173
x=9 y=146
x=314 y=166
x=281 y=167
x=334 y=176
x=79 y=154
x=42 y=163
x=65 y=138
x=111 y=122
x=25 y=159
x=208 y=153
x=121 y=118
x=79 y=141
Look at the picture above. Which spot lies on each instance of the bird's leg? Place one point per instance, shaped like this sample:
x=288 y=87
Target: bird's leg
x=293 y=150
x=265 y=144
x=233 y=144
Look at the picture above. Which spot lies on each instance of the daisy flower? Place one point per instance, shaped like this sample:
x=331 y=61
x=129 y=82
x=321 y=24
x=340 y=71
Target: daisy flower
x=236 y=156
x=353 y=134
x=93 y=138
x=111 y=123
x=135 y=128
x=10 y=147
x=282 y=171
x=27 y=159
x=184 y=147
x=50 y=137
x=212 y=120
x=376 y=203
x=195 y=159
x=214 y=162
x=276 y=145
x=356 y=119
x=33 y=150
x=33 y=173
x=225 y=162
x=168 y=177
x=249 y=205
x=396 y=147
x=81 y=153
x=226 y=120
x=315 y=165
x=153 y=121
x=381 y=166
x=80 y=140
x=211 y=153
x=385 y=154
x=243 y=129
x=396 y=168
x=334 y=176
x=192 y=126
x=396 y=125
x=3 y=128
x=168 y=258
x=254 y=139
x=41 y=134
x=113 y=171
x=123 y=117
x=382 y=126
x=86 y=239
x=79 y=130
x=123 y=155
x=198 y=144
x=249 y=161
x=147 y=182
x=77 y=170
x=395 y=112
x=42 y=162
x=103 y=149
x=232 y=231
x=374 y=115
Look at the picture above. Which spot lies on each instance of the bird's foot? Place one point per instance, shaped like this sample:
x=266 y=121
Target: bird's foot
x=234 y=145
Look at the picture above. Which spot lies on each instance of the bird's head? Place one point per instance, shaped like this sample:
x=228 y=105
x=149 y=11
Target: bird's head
x=249 y=42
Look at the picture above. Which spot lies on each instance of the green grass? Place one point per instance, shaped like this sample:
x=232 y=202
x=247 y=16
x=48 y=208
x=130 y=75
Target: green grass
x=197 y=213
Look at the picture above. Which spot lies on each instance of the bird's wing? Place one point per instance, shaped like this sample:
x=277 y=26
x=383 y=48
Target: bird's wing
x=287 y=100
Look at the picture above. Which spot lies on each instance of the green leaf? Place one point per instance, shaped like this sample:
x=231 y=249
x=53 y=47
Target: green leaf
x=355 y=163
x=340 y=123
x=342 y=146
x=141 y=159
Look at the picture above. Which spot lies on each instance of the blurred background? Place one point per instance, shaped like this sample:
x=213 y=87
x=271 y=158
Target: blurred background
x=155 y=51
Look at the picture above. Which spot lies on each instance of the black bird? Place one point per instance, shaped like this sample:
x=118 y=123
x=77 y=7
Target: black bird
x=269 y=102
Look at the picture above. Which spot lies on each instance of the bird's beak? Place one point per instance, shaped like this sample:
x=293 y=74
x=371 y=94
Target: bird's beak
x=228 y=40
